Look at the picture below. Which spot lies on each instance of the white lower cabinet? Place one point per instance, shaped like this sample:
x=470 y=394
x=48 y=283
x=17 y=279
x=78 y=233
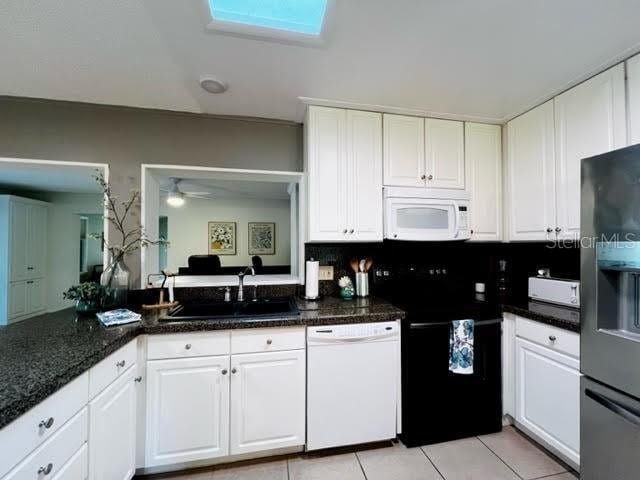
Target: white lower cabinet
x=112 y=430
x=267 y=401
x=548 y=398
x=187 y=409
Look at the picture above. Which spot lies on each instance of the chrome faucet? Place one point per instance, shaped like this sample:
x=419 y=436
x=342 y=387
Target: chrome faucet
x=241 y=281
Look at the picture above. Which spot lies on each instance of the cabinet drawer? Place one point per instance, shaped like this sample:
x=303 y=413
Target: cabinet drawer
x=551 y=337
x=267 y=339
x=105 y=372
x=52 y=457
x=182 y=345
x=77 y=468
x=22 y=436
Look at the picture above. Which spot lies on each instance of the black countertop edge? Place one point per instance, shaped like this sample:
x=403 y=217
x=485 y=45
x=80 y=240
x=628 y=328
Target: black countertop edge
x=54 y=349
x=555 y=315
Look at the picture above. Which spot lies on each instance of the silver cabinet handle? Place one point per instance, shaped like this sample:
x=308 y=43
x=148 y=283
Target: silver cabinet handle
x=351 y=231
x=188 y=346
x=423 y=177
x=138 y=379
x=121 y=364
x=29 y=268
x=48 y=423
x=344 y=231
x=269 y=341
x=552 y=338
x=558 y=229
x=549 y=230
x=395 y=235
x=45 y=470
x=224 y=371
x=430 y=177
x=233 y=370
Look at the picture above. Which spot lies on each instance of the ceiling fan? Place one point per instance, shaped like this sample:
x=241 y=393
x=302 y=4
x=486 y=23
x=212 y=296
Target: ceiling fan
x=176 y=196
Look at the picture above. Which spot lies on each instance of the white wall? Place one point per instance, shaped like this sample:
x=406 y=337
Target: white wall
x=188 y=228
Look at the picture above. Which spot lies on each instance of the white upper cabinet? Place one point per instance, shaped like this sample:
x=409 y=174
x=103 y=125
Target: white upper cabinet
x=327 y=173
x=590 y=119
x=404 y=153
x=633 y=100
x=531 y=198
x=444 y=153
x=364 y=163
x=344 y=175
x=483 y=160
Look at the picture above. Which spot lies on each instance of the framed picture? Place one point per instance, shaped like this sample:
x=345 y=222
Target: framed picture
x=222 y=238
x=262 y=238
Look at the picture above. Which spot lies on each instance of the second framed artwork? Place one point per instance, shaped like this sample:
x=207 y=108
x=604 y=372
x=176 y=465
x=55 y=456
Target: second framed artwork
x=262 y=238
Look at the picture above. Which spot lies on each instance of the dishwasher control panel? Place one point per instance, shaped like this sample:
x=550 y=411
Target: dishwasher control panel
x=371 y=331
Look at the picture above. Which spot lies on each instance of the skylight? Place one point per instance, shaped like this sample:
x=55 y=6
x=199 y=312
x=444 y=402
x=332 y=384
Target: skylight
x=299 y=16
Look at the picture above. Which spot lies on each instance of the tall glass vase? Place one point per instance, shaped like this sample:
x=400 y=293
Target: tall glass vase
x=115 y=279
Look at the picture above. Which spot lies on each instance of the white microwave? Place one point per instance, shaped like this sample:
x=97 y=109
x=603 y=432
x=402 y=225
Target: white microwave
x=422 y=214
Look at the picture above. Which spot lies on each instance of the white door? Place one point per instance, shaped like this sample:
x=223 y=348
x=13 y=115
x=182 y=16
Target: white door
x=18 y=300
x=633 y=99
x=326 y=174
x=531 y=198
x=364 y=161
x=444 y=153
x=36 y=292
x=403 y=151
x=36 y=240
x=18 y=247
x=187 y=409
x=267 y=401
x=590 y=119
x=483 y=162
x=112 y=430
x=548 y=397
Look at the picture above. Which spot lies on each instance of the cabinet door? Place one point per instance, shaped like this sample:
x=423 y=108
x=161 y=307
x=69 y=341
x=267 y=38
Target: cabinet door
x=187 y=409
x=112 y=430
x=36 y=293
x=36 y=241
x=509 y=365
x=548 y=397
x=531 y=201
x=633 y=98
x=326 y=174
x=18 y=300
x=364 y=161
x=444 y=153
x=590 y=119
x=18 y=247
x=404 y=151
x=483 y=161
x=267 y=401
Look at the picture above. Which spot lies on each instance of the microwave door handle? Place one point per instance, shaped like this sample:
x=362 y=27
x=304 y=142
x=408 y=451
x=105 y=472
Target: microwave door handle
x=456 y=228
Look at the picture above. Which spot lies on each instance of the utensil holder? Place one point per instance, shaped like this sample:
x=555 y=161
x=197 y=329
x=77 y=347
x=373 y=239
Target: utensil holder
x=362 y=284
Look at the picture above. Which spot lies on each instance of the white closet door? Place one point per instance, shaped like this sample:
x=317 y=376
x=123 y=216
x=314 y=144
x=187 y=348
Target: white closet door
x=590 y=119
x=18 y=303
x=37 y=241
x=531 y=199
x=444 y=153
x=633 y=99
x=18 y=244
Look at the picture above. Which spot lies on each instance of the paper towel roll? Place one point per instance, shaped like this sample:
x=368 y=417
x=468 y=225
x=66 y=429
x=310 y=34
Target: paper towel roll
x=312 y=276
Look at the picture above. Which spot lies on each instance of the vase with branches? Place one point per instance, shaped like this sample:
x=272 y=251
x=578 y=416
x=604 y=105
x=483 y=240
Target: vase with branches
x=116 y=276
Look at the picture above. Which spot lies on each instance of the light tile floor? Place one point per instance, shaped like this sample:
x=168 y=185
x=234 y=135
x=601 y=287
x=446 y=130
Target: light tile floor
x=501 y=456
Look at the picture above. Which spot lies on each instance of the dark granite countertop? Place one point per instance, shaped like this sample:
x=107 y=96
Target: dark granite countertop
x=40 y=355
x=555 y=315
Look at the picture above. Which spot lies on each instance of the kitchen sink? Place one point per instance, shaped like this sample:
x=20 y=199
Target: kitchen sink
x=215 y=310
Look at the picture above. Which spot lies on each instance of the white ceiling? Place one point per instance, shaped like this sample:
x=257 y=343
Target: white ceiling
x=47 y=177
x=485 y=59
x=211 y=188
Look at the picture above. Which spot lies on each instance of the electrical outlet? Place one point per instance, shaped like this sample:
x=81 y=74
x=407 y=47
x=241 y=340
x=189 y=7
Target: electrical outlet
x=325 y=272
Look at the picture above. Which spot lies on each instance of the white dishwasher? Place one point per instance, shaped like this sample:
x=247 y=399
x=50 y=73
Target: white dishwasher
x=352 y=383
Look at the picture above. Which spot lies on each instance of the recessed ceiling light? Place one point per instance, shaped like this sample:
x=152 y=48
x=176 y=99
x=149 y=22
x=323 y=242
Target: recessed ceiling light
x=213 y=85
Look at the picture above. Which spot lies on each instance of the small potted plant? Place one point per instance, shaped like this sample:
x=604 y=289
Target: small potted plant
x=346 y=287
x=88 y=296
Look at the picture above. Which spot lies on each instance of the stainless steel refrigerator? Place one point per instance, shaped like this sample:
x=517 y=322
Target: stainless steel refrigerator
x=610 y=316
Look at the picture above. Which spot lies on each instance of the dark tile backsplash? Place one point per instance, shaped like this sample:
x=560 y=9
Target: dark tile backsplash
x=472 y=262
